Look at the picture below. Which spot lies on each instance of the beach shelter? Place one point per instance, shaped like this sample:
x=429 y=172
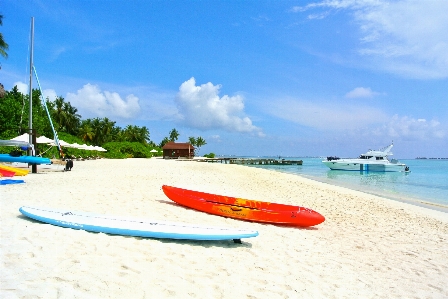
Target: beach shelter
x=90 y=148
x=85 y=147
x=75 y=145
x=43 y=139
x=62 y=143
x=24 y=138
x=99 y=148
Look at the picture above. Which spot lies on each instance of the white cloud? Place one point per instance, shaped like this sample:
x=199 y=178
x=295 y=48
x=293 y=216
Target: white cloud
x=405 y=37
x=50 y=94
x=92 y=102
x=361 y=92
x=216 y=138
x=22 y=87
x=201 y=107
x=327 y=116
x=411 y=128
x=47 y=93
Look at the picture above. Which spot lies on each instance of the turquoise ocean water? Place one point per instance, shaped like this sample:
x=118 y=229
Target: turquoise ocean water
x=426 y=184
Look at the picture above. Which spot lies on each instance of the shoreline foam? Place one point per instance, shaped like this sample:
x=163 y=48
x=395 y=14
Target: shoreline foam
x=368 y=246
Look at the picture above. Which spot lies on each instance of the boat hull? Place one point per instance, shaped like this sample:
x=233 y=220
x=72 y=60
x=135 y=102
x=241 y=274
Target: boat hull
x=244 y=209
x=364 y=167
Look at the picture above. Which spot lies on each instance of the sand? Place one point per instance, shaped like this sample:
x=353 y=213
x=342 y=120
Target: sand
x=368 y=247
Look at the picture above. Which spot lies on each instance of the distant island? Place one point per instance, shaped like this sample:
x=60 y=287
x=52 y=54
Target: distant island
x=424 y=158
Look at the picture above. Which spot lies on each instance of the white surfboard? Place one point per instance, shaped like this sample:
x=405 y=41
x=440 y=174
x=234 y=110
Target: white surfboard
x=137 y=227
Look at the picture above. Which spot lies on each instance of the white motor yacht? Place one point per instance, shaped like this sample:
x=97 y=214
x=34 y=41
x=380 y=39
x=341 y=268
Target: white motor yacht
x=374 y=161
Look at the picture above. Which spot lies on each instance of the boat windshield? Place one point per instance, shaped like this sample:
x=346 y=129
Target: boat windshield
x=365 y=157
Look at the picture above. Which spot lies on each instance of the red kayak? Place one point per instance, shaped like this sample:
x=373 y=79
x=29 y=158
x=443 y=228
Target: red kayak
x=7 y=173
x=239 y=208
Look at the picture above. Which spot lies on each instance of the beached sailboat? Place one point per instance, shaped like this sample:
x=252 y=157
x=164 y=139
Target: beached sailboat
x=29 y=146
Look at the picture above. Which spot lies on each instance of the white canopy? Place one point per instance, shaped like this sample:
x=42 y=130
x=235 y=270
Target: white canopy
x=43 y=139
x=81 y=146
x=63 y=143
x=99 y=148
x=26 y=138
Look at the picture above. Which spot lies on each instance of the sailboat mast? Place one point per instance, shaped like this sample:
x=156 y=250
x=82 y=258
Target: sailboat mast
x=30 y=121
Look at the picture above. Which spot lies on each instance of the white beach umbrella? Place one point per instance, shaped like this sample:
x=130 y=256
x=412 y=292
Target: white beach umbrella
x=153 y=151
x=25 y=137
x=99 y=149
x=61 y=143
x=43 y=139
x=85 y=147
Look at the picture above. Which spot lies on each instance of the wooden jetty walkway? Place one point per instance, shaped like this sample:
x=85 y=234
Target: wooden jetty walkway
x=251 y=161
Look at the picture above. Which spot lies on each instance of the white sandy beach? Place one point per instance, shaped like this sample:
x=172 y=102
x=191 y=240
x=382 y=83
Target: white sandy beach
x=368 y=247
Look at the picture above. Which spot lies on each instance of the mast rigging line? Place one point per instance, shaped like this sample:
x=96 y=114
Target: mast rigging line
x=56 y=138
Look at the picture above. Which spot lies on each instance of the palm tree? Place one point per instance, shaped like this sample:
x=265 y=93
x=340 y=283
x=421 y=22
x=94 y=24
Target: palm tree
x=97 y=132
x=58 y=112
x=3 y=45
x=86 y=132
x=72 y=118
x=197 y=143
x=174 y=135
x=144 y=134
x=107 y=126
x=163 y=142
x=136 y=134
x=65 y=115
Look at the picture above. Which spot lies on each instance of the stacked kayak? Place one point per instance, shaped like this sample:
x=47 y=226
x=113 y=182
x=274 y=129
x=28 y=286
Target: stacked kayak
x=24 y=159
x=16 y=171
x=6 y=173
x=10 y=182
x=239 y=208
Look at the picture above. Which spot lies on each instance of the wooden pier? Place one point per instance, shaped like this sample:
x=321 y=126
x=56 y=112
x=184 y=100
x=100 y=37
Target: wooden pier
x=250 y=161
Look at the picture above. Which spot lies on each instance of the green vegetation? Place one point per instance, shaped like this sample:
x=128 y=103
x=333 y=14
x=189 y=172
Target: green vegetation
x=211 y=155
x=129 y=142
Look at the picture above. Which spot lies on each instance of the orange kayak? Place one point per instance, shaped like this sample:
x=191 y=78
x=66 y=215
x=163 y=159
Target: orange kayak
x=239 y=208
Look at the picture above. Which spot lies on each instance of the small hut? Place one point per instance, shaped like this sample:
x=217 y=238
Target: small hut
x=174 y=150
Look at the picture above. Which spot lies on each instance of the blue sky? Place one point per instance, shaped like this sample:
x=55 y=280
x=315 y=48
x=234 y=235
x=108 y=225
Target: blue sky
x=290 y=78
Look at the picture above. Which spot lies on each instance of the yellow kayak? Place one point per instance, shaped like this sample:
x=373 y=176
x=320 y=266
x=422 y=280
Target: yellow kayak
x=18 y=171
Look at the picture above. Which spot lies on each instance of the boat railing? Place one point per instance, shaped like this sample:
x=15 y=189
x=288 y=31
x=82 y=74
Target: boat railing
x=332 y=158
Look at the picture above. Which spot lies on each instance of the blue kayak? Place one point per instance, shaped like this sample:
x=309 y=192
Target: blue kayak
x=24 y=159
x=9 y=182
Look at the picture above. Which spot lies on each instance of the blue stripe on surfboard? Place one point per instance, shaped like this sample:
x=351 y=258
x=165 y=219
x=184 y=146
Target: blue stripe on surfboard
x=136 y=233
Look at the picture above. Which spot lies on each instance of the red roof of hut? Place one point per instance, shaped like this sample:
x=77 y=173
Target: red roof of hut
x=177 y=145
